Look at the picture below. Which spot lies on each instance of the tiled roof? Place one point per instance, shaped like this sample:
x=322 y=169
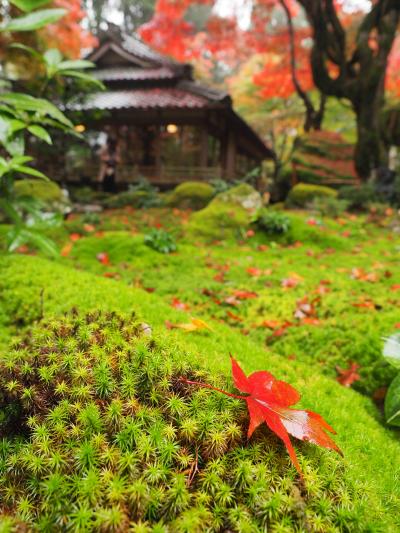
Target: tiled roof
x=141 y=99
x=132 y=73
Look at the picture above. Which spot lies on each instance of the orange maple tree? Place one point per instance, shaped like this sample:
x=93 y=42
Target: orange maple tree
x=68 y=34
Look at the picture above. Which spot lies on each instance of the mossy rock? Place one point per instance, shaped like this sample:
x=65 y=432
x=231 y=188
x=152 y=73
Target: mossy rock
x=107 y=437
x=218 y=221
x=191 y=195
x=303 y=194
x=243 y=195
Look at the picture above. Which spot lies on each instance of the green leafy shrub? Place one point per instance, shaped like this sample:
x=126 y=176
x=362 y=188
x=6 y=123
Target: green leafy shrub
x=191 y=195
x=358 y=197
x=391 y=353
x=161 y=241
x=87 y=195
x=107 y=438
x=303 y=194
x=273 y=222
x=141 y=195
x=217 y=221
x=329 y=206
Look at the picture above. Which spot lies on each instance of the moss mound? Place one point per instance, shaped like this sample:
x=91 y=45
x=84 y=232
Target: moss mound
x=218 y=220
x=109 y=439
x=367 y=474
x=47 y=192
x=243 y=195
x=191 y=195
x=303 y=194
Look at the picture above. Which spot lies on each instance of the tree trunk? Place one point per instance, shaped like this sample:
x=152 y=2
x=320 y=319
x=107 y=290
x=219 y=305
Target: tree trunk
x=371 y=153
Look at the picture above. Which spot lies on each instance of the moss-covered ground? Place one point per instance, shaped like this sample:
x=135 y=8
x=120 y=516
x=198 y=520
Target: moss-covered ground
x=300 y=306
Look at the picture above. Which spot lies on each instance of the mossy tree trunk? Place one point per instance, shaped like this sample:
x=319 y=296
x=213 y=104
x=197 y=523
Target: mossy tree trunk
x=359 y=78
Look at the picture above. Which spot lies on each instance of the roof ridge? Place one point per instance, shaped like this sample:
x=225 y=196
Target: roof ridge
x=200 y=89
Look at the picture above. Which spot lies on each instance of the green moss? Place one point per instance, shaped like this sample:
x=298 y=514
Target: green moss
x=303 y=194
x=218 y=221
x=368 y=475
x=191 y=195
x=243 y=195
x=47 y=192
x=110 y=436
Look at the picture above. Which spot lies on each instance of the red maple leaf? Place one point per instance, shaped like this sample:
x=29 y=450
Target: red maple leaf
x=269 y=400
x=245 y=295
x=177 y=304
x=103 y=258
x=347 y=376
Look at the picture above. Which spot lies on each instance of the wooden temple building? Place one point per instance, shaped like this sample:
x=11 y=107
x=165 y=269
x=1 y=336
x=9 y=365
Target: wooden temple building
x=169 y=127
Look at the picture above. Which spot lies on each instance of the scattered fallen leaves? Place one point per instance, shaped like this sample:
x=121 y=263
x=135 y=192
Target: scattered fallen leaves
x=268 y=401
x=360 y=275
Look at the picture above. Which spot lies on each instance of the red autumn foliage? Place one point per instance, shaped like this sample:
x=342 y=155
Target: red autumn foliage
x=269 y=401
x=68 y=34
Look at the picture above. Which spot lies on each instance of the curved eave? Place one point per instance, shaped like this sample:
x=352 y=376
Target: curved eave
x=260 y=148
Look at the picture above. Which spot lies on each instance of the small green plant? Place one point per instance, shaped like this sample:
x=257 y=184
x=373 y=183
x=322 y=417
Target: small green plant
x=359 y=197
x=329 y=206
x=161 y=241
x=273 y=222
x=391 y=352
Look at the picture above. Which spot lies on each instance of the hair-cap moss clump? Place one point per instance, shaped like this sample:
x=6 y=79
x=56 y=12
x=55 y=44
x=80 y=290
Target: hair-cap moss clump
x=191 y=195
x=303 y=194
x=107 y=438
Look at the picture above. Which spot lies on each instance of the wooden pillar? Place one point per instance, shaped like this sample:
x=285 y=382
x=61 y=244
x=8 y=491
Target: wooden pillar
x=230 y=161
x=158 y=153
x=203 y=147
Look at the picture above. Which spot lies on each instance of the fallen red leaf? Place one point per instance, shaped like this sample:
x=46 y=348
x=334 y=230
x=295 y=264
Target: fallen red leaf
x=245 y=295
x=254 y=272
x=347 y=376
x=103 y=258
x=89 y=228
x=66 y=250
x=269 y=402
x=177 y=304
x=232 y=316
x=395 y=287
x=291 y=282
x=75 y=237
